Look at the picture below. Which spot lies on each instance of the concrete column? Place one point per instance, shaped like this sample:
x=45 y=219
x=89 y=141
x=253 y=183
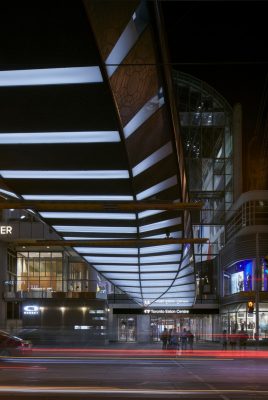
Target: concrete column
x=3 y=278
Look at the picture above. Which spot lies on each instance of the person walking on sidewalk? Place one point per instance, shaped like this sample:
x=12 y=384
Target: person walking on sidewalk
x=164 y=338
x=184 y=339
x=190 y=339
x=243 y=338
x=224 y=339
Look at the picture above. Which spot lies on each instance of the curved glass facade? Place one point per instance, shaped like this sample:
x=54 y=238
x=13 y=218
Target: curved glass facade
x=206 y=127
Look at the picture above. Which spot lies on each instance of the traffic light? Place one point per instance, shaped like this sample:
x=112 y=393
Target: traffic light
x=250 y=306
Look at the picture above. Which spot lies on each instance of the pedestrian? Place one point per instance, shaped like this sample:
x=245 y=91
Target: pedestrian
x=174 y=341
x=190 y=339
x=164 y=338
x=169 y=344
x=183 y=338
x=224 y=339
x=233 y=340
x=243 y=338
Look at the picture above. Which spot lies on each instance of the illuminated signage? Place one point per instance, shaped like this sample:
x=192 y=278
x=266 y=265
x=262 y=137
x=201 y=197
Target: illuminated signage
x=167 y=311
x=31 y=310
x=6 y=230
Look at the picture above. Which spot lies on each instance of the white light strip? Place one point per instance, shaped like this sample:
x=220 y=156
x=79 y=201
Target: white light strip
x=159 y=187
x=127 y=283
x=148 y=213
x=156 y=285
x=27 y=174
x=112 y=260
x=127 y=40
x=50 y=76
x=169 y=258
x=60 y=137
x=88 y=215
x=144 y=113
x=89 y=238
x=160 y=225
x=160 y=249
x=111 y=275
x=107 y=250
x=173 y=235
x=8 y=193
x=153 y=159
x=95 y=229
x=159 y=267
x=71 y=197
x=158 y=275
x=117 y=268
x=159 y=289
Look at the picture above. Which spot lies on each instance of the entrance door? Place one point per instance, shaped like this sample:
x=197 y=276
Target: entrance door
x=127 y=327
x=158 y=324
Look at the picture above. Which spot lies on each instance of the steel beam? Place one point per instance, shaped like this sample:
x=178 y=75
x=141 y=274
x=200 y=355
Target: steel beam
x=111 y=243
x=99 y=206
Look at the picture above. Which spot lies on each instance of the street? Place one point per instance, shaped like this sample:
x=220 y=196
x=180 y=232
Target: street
x=207 y=375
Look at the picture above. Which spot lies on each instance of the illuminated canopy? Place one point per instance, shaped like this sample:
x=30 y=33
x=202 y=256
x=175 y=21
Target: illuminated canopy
x=83 y=133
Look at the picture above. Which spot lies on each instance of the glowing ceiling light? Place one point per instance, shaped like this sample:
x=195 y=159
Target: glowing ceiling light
x=148 y=213
x=160 y=225
x=160 y=249
x=50 y=76
x=123 y=283
x=145 y=284
x=71 y=197
x=159 y=267
x=173 y=235
x=111 y=260
x=169 y=258
x=127 y=39
x=159 y=187
x=88 y=238
x=28 y=174
x=144 y=113
x=85 y=215
x=163 y=276
x=107 y=250
x=95 y=229
x=153 y=159
x=60 y=137
x=118 y=268
x=111 y=275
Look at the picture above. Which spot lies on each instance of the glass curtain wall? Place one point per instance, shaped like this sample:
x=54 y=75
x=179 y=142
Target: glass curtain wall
x=39 y=273
x=206 y=126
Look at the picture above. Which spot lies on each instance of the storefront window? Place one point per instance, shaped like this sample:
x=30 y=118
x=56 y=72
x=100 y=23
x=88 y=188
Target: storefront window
x=39 y=272
x=236 y=319
x=238 y=277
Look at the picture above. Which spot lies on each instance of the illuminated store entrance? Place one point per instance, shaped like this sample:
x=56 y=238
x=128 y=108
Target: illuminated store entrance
x=158 y=323
x=127 y=328
x=203 y=326
x=235 y=318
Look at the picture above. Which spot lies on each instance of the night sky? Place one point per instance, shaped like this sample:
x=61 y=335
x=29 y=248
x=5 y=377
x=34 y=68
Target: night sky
x=225 y=44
